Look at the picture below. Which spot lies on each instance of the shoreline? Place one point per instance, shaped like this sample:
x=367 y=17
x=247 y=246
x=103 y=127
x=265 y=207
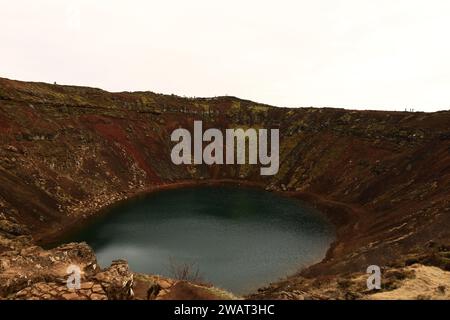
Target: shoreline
x=336 y=214
x=71 y=224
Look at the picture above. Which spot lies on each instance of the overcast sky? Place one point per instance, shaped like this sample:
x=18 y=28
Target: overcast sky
x=361 y=54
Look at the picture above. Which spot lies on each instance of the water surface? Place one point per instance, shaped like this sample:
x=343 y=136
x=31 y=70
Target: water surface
x=238 y=238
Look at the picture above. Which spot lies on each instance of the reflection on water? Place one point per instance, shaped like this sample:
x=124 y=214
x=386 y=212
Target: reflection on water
x=239 y=238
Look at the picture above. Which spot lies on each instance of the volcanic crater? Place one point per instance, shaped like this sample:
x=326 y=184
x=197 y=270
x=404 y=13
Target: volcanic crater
x=67 y=153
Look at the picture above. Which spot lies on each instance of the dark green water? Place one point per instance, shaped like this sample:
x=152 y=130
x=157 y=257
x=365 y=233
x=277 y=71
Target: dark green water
x=239 y=238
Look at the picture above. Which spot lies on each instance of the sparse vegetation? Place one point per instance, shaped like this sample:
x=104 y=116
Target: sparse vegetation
x=187 y=271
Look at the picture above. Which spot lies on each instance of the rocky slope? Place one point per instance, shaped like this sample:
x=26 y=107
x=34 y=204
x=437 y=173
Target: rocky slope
x=29 y=272
x=382 y=178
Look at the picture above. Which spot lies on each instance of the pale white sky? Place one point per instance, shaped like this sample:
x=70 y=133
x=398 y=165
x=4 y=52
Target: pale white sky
x=377 y=54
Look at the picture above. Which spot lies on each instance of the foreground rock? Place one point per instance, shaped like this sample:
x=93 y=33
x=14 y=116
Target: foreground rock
x=29 y=272
x=416 y=277
x=152 y=287
x=422 y=282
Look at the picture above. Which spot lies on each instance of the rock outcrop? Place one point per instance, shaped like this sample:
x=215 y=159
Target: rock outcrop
x=29 y=272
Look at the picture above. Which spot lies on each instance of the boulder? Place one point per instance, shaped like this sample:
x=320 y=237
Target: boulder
x=117 y=281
